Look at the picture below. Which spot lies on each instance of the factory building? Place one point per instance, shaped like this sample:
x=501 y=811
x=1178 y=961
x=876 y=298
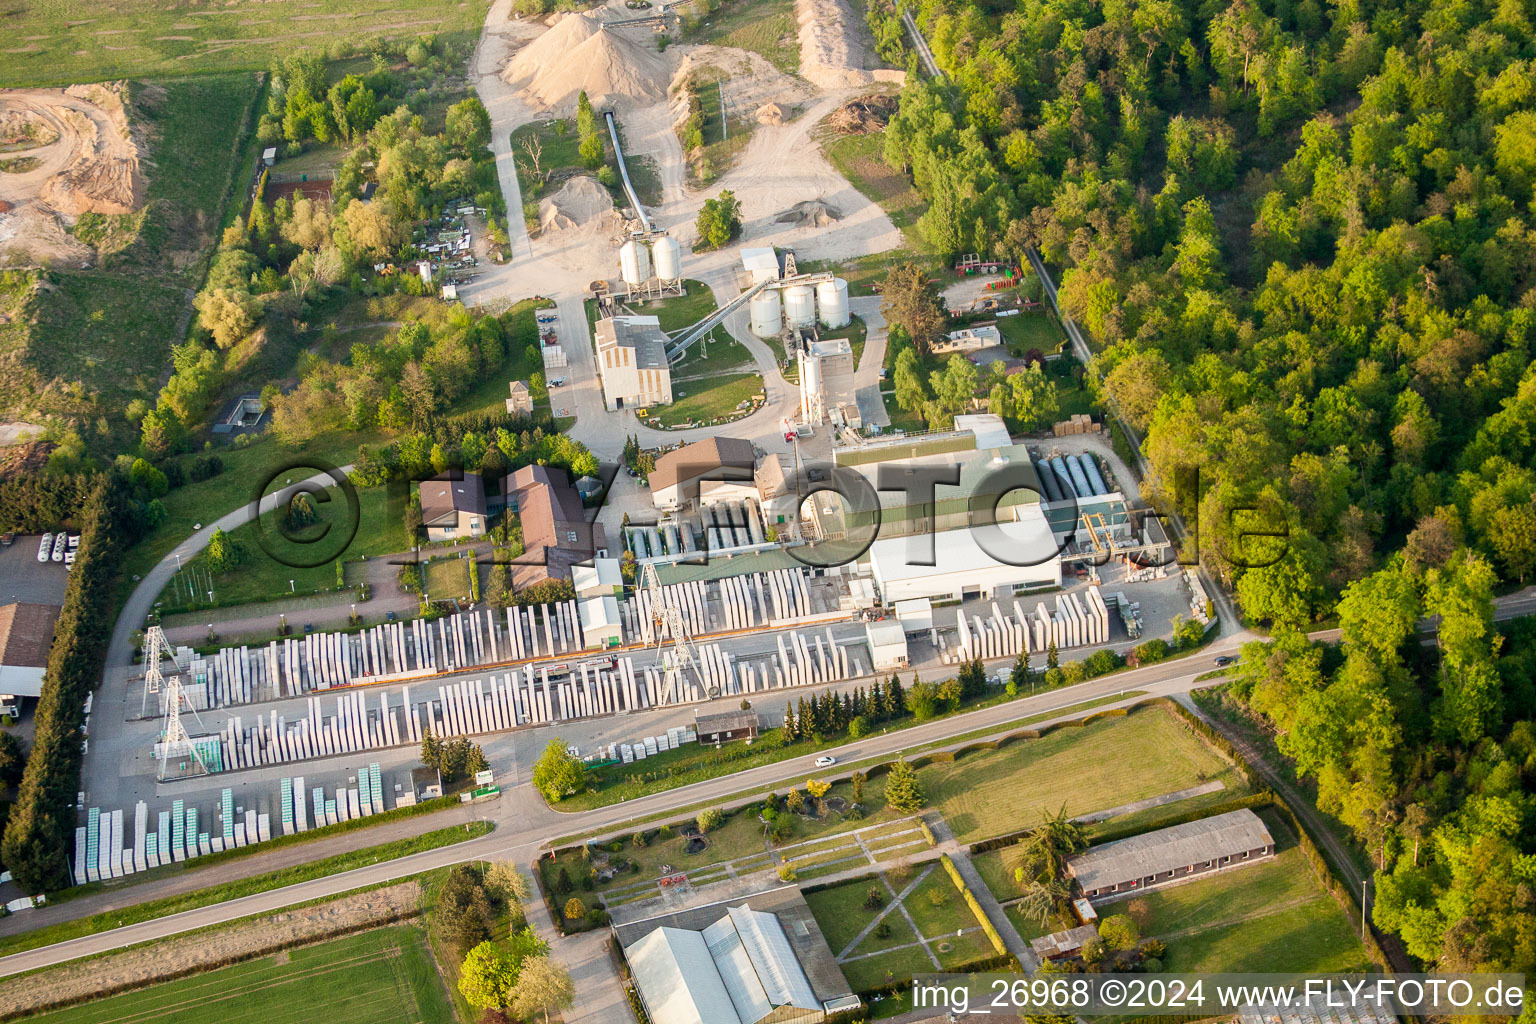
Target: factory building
x=676 y=480
x=887 y=644
x=632 y=362
x=953 y=564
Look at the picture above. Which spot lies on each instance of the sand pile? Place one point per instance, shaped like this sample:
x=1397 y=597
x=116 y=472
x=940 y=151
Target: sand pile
x=580 y=203
x=810 y=213
x=834 y=52
x=84 y=157
x=578 y=54
x=770 y=113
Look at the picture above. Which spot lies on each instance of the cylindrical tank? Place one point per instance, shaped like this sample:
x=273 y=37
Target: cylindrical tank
x=1079 y=478
x=764 y=313
x=1047 y=481
x=1063 y=478
x=1091 y=467
x=800 y=306
x=634 y=262
x=810 y=376
x=1091 y=472
x=668 y=257
x=832 y=298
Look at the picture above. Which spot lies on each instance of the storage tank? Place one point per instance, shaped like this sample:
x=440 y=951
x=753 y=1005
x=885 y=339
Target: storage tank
x=763 y=311
x=832 y=298
x=800 y=306
x=634 y=263
x=1048 y=481
x=1079 y=478
x=1063 y=478
x=1091 y=467
x=810 y=384
x=667 y=254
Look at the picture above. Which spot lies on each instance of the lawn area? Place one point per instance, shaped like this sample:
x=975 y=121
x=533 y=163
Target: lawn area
x=859 y=159
x=262 y=576
x=143 y=38
x=1109 y=762
x=709 y=401
x=1032 y=329
x=714 y=352
x=447 y=579
x=232 y=890
x=762 y=26
x=675 y=312
x=1273 y=916
x=385 y=976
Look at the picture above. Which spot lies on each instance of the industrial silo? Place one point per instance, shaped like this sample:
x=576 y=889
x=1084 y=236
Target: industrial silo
x=668 y=257
x=800 y=306
x=634 y=263
x=832 y=298
x=763 y=311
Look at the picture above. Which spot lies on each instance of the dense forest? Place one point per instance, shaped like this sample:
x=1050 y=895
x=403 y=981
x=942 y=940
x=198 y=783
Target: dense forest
x=1300 y=237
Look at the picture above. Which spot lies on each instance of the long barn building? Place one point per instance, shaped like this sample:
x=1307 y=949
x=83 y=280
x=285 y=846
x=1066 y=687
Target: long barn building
x=1172 y=854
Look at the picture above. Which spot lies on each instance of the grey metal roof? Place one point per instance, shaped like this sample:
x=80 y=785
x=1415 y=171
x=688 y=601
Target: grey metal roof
x=777 y=968
x=741 y=981
x=678 y=979
x=1168 y=849
x=1312 y=1011
x=726 y=721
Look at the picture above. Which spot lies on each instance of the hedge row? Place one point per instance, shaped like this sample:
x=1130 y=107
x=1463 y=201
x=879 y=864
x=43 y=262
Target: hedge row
x=41 y=501
x=970 y=898
x=41 y=829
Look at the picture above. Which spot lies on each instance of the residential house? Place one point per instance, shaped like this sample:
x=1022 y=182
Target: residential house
x=453 y=507
x=556 y=534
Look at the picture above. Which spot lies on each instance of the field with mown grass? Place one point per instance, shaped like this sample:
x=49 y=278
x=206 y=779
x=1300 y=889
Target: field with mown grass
x=72 y=41
x=385 y=976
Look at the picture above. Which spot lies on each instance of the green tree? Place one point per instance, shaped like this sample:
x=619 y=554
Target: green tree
x=468 y=126
x=1119 y=932
x=487 y=976
x=710 y=819
x=902 y=789
x=719 y=219
x=224 y=553
x=910 y=393
x=910 y=301
x=558 y=773
x=543 y=985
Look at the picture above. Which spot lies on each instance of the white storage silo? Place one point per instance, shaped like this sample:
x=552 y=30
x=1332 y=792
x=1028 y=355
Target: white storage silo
x=764 y=313
x=800 y=306
x=832 y=298
x=634 y=262
x=667 y=254
x=810 y=388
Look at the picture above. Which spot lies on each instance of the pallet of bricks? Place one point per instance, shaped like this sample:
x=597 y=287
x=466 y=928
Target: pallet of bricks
x=1080 y=423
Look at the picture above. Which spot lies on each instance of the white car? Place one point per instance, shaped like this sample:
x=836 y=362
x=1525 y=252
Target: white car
x=59 y=544
x=826 y=761
x=45 y=547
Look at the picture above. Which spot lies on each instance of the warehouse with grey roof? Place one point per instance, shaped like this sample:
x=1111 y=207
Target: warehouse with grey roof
x=1172 y=854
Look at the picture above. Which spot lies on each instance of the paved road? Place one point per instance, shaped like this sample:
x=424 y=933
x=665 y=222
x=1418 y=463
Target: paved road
x=526 y=825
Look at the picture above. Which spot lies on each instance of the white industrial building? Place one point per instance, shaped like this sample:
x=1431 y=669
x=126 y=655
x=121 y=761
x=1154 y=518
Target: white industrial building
x=601 y=624
x=826 y=381
x=959 y=568
x=761 y=263
x=751 y=960
x=969 y=339
x=632 y=362
x=887 y=644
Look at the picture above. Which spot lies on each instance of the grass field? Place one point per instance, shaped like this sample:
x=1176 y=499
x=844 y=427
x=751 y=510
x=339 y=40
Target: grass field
x=1272 y=916
x=762 y=26
x=1031 y=329
x=82 y=344
x=81 y=41
x=1106 y=763
x=447 y=579
x=706 y=401
x=384 y=976
x=858 y=158
x=265 y=572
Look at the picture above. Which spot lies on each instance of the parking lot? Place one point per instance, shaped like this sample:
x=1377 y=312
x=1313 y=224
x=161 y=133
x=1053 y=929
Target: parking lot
x=23 y=578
